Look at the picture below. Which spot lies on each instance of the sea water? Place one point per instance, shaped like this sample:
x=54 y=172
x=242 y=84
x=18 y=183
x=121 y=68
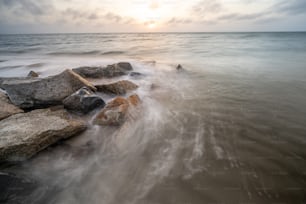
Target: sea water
x=229 y=128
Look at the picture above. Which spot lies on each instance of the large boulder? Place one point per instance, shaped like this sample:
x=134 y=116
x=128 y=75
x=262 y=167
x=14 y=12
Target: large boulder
x=118 y=88
x=119 y=69
x=83 y=100
x=116 y=111
x=6 y=107
x=24 y=134
x=43 y=92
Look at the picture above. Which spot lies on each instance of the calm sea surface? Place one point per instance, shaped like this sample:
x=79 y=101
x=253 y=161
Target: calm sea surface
x=230 y=128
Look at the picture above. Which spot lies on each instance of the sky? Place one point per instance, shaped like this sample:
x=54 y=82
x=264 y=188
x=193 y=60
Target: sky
x=91 y=16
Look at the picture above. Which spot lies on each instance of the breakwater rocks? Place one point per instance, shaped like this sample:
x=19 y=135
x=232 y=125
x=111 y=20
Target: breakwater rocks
x=37 y=112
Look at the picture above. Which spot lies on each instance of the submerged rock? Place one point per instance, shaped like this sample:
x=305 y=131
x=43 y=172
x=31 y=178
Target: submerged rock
x=15 y=189
x=24 y=134
x=115 y=112
x=32 y=74
x=118 y=88
x=114 y=70
x=136 y=74
x=179 y=67
x=43 y=92
x=83 y=100
x=6 y=107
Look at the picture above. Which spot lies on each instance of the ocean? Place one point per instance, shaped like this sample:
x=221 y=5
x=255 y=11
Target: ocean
x=229 y=128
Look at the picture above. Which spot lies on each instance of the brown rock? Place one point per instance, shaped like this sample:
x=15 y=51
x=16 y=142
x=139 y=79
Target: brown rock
x=118 y=88
x=134 y=99
x=32 y=74
x=117 y=111
x=6 y=107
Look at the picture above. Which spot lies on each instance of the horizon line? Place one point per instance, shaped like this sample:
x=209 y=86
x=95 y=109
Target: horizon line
x=189 y=32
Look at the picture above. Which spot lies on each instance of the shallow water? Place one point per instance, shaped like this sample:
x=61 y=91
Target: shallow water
x=230 y=128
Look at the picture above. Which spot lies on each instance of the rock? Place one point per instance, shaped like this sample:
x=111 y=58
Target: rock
x=32 y=74
x=116 y=111
x=136 y=74
x=134 y=100
x=15 y=189
x=6 y=107
x=118 y=88
x=24 y=134
x=179 y=67
x=114 y=70
x=83 y=100
x=43 y=92
x=126 y=66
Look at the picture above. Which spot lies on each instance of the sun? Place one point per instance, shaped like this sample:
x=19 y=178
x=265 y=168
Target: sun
x=151 y=25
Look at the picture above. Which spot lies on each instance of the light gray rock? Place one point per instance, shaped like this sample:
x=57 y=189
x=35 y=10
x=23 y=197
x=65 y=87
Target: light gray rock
x=43 y=92
x=6 y=107
x=118 y=88
x=115 y=70
x=84 y=100
x=24 y=134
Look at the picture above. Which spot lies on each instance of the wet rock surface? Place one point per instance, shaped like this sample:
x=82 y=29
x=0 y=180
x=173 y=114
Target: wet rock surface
x=6 y=107
x=114 y=70
x=118 y=88
x=24 y=134
x=43 y=92
x=15 y=189
x=32 y=74
x=84 y=100
x=116 y=111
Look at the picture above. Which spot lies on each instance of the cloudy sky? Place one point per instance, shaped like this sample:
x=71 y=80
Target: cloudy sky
x=58 y=16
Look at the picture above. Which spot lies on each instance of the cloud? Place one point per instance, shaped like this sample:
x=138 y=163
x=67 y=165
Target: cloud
x=175 y=21
x=204 y=7
x=240 y=16
x=292 y=7
x=113 y=17
x=28 y=6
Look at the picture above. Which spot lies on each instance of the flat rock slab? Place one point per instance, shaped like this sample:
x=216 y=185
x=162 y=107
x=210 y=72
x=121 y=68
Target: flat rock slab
x=114 y=70
x=6 y=107
x=24 y=134
x=118 y=88
x=43 y=92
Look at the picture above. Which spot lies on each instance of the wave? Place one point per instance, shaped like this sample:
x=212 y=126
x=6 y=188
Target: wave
x=113 y=52
x=19 y=51
x=94 y=52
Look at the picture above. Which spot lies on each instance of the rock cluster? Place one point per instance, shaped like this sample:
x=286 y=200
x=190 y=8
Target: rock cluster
x=33 y=110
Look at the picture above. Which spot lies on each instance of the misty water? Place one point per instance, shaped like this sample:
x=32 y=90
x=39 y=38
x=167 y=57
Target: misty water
x=229 y=128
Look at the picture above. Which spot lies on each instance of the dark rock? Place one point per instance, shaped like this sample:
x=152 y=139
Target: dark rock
x=15 y=189
x=136 y=74
x=116 y=111
x=179 y=67
x=6 y=107
x=126 y=66
x=114 y=70
x=83 y=100
x=23 y=135
x=32 y=74
x=118 y=88
x=43 y=92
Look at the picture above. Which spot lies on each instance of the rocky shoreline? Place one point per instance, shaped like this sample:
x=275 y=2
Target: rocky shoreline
x=37 y=112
